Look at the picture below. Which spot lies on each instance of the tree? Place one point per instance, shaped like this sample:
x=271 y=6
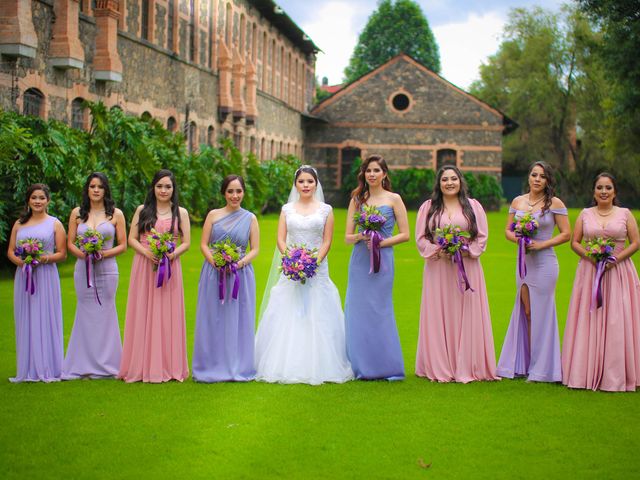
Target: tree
x=395 y=27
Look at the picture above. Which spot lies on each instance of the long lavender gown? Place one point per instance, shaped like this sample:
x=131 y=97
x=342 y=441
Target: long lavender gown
x=95 y=348
x=38 y=317
x=543 y=362
x=224 y=338
x=373 y=345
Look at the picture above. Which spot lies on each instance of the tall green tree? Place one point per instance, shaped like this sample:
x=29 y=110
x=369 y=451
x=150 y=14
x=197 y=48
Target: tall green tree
x=395 y=27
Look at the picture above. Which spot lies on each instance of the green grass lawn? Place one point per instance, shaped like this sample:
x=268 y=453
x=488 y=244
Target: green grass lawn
x=409 y=429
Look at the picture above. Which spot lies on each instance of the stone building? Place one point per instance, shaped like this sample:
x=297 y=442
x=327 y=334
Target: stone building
x=409 y=115
x=238 y=68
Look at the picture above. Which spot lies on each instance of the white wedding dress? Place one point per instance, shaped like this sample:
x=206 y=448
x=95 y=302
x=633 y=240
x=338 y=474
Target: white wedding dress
x=301 y=337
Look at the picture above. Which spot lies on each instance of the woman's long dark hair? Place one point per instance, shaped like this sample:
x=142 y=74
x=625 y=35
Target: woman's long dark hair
x=26 y=212
x=550 y=186
x=109 y=204
x=616 y=202
x=437 y=204
x=361 y=193
x=149 y=212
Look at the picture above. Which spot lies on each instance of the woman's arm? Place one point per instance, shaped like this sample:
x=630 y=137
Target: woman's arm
x=511 y=236
x=206 y=235
x=121 y=236
x=402 y=220
x=576 y=239
x=185 y=242
x=327 y=237
x=254 y=243
x=61 y=245
x=479 y=244
x=17 y=261
x=134 y=236
x=633 y=236
x=351 y=236
x=426 y=247
x=564 y=235
x=73 y=233
x=282 y=233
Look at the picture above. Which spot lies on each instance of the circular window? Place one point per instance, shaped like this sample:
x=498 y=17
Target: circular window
x=400 y=102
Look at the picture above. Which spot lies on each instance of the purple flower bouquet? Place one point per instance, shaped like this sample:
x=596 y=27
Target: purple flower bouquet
x=369 y=221
x=524 y=226
x=29 y=250
x=91 y=243
x=453 y=240
x=226 y=255
x=600 y=249
x=161 y=244
x=299 y=263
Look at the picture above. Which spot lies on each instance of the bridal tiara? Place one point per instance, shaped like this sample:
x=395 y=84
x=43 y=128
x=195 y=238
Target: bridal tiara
x=306 y=166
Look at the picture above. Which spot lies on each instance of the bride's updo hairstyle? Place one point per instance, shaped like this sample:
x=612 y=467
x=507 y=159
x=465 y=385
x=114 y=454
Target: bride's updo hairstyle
x=306 y=169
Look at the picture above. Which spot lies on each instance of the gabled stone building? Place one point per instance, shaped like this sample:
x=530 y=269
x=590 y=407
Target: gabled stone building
x=409 y=115
x=239 y=68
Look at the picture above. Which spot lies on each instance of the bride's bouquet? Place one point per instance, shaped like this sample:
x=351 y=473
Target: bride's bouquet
x=370 y=221
x=29 y=250
x=226 y=255
x=524 y=226
x=453 y=240
x=600 y=249
x=91 y=243
x=161 y=245
x=299 y=263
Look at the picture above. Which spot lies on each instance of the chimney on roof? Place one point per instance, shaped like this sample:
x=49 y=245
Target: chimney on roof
x=325 y=81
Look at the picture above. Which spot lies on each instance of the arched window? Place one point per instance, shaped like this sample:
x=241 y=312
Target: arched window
x=227 y=25
x=272 y=64
x=243 y=35
x=211 y=136
x=273 y=149
x=192 y=137
x=264 y=57
x=172 y=124
x=78 y=114
x=146 y=116
x=446 y=156
x=254 y=42
x=263 y=149
x=252 y=145
x=33 y=103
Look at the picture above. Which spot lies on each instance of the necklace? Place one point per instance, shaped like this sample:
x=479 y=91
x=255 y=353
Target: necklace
x=163 y=213
x=531 y=205
x=604 y=214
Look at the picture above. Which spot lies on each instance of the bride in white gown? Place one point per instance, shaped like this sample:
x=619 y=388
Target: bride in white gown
x=301 y=337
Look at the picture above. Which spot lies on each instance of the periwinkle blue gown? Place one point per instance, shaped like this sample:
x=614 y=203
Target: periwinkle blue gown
x=373 y=345
x=224 y=337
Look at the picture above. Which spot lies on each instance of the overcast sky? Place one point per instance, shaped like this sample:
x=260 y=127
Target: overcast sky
x=467 y=31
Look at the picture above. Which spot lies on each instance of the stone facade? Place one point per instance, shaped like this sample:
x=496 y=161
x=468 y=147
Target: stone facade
x=409 y=115
x=158 y=57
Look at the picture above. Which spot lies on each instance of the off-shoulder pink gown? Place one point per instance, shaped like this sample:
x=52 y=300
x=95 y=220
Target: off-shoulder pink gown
x=455 y=342
x=601 y=348
x=155 y=344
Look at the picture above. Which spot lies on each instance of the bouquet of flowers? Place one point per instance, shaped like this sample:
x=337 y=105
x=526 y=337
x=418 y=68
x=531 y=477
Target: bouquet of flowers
x=524 y=226
x=29 y=250
x=161 y=244
x=299 y=263
x=91 y=243
x=600 y=249
x=453 y=240
x=369 y=221
x=226 y=255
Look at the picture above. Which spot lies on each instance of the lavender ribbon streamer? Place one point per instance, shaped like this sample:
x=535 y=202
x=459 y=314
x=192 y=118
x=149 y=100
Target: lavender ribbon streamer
x=522 y=251
x=89 y=260
x=164 y=271
x=222 y=282
x=463 y=280
x=30 y=283
x=374 y=251
x=596 y=289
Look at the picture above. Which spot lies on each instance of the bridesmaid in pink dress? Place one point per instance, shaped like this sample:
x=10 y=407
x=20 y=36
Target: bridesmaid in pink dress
x=154 y=336
x=601 y=349
x=455 y=341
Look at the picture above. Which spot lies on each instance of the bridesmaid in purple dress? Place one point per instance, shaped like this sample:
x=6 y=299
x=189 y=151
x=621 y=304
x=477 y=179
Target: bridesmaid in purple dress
x=224 y=337
x=94 y=348
x=38 y=315
x=532 y=344
x=373 y=345
x=601 y=349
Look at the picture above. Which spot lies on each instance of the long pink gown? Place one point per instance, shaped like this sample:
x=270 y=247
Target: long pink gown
x=155 y=344
x=455 y=342
x=601 y=348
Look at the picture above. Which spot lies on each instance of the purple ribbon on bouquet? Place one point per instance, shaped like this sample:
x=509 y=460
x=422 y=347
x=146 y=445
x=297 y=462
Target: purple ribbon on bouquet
x=374 y=251
x=222 y=282
x=89 y=260
x=30 y=283
x=164 y=271
x=596 y=289
x=522 y=251
x=463 y=280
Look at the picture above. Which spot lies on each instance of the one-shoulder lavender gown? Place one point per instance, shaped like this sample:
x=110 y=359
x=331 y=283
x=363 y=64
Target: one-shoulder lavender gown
x=542 y=363
x=373 y=345
x=95 y=348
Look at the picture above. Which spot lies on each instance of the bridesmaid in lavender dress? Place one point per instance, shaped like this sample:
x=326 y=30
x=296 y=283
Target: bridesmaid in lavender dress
x=601 y=349
x=94 y=348
x=38 y=315
x=373 y=345
x=532 y=344
x=224 y=338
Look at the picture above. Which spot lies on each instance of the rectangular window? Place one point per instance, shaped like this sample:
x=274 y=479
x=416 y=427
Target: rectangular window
x=170 y=18
x=144 y=31
x=192 y=31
